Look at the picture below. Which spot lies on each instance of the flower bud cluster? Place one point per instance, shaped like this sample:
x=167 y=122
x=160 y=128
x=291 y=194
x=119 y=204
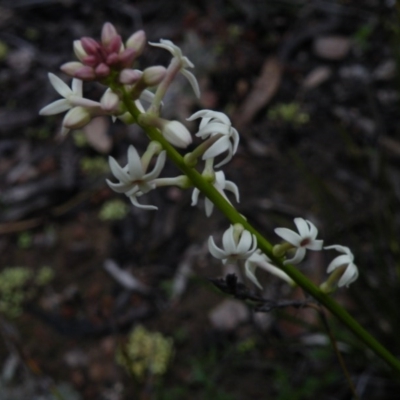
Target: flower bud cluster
x=240 y=244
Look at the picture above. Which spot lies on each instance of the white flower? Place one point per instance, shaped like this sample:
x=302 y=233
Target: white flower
x=233 y=249
x=134 y=181
x=81 y=109
x=220 y=184
x=346 y=259
x=306 y=239
x=259 y=259
x=217 y=123
x=72 y=97
x=183 y=61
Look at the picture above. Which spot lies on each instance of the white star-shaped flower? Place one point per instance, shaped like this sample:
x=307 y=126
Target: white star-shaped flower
x=260 y=260
x=134 y=181
x=346 y=259
x=183 y=61
x=72 y=97
x=217 y=123
x=305 y=239
x=220 y=184
x=233 y=249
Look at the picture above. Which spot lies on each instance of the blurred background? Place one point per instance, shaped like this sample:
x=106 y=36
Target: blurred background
x=100 y=300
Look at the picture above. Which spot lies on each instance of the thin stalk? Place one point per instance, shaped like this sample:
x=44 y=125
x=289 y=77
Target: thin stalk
x=230 y=212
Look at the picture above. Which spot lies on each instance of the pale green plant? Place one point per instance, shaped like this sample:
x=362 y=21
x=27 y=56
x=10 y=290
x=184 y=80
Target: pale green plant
x=289 y=113
x=19 y=285
x=146 y=353
x=113 y=210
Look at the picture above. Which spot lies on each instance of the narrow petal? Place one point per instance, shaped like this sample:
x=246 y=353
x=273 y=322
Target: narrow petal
x=315 y=245
x=209 y=205
x=288 y=235
x=338 y=262
x=245 y=242
x=302 y=227
x=349 y=276
x=272 y=269
x=313 y=231
x=158 y=167
x=199 y=114
x=236 y=139
x=298 y=256
x=60 y=86
x=228 y=241
x=118 y=187
x=214 y=250
x=135 y=164
x=192 y=80
x=77 y=87
x=117 y=171
x=217 y=148
x=134 y=201
x=250 y=269
x=56 y=107
x=232 y=188
x=195 y=196
x=227 y=158
x=339 y=248
x=214 y=128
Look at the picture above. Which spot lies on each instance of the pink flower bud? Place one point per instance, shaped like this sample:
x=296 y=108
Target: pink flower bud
x=90 y=45
x=108 y=33
x=115 y=45
x=137 y=41
x=152 y=76
x=85 y=73
x=112 y=59
x=127 y=57
x=102 y=70
x=129 y=76
x=91 y=60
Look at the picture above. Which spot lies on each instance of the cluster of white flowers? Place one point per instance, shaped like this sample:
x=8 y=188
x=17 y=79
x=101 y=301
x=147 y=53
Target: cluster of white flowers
x=110 y=62
x=240 y=244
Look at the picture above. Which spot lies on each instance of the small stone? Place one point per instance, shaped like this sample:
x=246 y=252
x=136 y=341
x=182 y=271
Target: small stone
x=332 y=47
x=316 y=77
x=228 y=315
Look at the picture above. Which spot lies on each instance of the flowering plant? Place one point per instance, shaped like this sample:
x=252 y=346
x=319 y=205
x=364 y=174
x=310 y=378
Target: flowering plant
x=110 y=62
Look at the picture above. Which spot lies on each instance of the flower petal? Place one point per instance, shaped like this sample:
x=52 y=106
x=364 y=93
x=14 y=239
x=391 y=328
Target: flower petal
x=315 y=245
x=158 y=167
x=232 y=188
x=214 y=250
x=56 y=107
x=349 y=276
x=118 y=187
x=195 y=196
x=117 y=171
x=228 y=241
x=134 y=164
x=192 y=80
x=217 y=148
x=289 y=236
x=302 y=227
x=209 y=205
x=298 y=256
x=60 y=86
x=338 y=262
x=77 y=87
x=142 y=206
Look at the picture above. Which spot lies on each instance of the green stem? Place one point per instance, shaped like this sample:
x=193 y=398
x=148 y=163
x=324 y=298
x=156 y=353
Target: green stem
x=230 y=212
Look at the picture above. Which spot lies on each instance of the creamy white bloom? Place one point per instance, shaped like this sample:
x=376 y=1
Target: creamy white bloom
x=217 y=123
x=261 y=260
x=220 y=184
x=184 y=62
x=305 y=239
x=176 y=133
x=345 y=260
x=72 y=96
x=81 y=110
x=233 y=249
x=134 y=181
